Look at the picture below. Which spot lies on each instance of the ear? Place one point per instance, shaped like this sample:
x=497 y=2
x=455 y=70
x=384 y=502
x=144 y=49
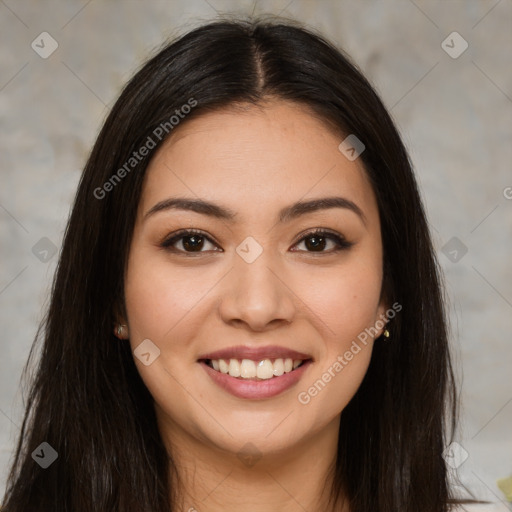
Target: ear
x=119 y=318
x=382 y=316
x=119 y=309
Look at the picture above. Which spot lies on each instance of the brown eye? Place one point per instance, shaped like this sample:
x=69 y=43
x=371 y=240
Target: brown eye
x=191 y=241
x=317 y=241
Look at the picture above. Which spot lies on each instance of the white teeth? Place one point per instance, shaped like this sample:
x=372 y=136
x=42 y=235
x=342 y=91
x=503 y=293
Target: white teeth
x=278 y=367
x=265 y=369
x=249 y=369
x=234 y=368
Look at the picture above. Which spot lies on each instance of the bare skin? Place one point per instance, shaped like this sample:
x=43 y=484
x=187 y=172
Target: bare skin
x=192 y=301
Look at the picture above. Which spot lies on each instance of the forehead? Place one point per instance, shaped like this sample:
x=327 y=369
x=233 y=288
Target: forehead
x=255 y=157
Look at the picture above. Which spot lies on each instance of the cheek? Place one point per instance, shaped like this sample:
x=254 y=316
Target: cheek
x=345 y=299
x=346 y=304
x=159 y=295
x=167 y=303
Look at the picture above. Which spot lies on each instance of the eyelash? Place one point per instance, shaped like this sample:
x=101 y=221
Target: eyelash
x=184 y=233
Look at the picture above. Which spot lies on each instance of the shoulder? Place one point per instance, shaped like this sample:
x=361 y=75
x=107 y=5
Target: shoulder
x=479 y=507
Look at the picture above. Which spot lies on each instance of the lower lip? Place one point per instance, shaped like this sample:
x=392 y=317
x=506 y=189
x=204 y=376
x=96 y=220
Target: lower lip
x=256 y=389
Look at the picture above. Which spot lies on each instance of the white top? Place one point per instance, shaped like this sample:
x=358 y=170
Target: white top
x=478 y=507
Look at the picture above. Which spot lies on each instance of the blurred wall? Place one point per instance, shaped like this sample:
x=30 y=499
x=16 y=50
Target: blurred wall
x=452 y=104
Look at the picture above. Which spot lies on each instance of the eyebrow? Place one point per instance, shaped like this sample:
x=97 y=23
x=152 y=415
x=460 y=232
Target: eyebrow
x=285 y=215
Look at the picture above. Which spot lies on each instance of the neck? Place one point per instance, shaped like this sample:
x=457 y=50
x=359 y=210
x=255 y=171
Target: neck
x=210 y=479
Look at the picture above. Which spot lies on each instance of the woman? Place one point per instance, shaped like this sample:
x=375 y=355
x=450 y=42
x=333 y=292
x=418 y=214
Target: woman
x=247 y=312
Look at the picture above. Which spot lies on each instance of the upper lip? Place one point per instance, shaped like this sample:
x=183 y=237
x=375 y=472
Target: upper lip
x=255 y=353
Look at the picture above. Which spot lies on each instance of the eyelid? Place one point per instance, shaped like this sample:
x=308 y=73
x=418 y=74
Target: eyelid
x=168 y=241
x=338 y=238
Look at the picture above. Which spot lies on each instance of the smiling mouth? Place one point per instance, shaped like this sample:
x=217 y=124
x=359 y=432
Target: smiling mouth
x=247 y=369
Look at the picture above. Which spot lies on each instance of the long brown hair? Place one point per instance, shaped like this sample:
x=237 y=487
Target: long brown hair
x=87 y=400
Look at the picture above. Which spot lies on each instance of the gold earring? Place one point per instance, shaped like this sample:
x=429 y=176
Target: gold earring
x=385 y=334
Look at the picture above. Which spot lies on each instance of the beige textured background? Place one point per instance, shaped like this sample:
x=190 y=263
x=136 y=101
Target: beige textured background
x=455 y=115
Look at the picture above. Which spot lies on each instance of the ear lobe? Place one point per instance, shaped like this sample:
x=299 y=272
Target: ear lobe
x=121 y=331
x=382 y=319
x=120 y=328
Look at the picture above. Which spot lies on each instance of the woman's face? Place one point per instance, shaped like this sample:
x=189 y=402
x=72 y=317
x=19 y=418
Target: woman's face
x=255 y=283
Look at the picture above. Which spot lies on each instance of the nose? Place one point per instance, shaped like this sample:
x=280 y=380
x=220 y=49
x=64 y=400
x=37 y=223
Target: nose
x=257 y=295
